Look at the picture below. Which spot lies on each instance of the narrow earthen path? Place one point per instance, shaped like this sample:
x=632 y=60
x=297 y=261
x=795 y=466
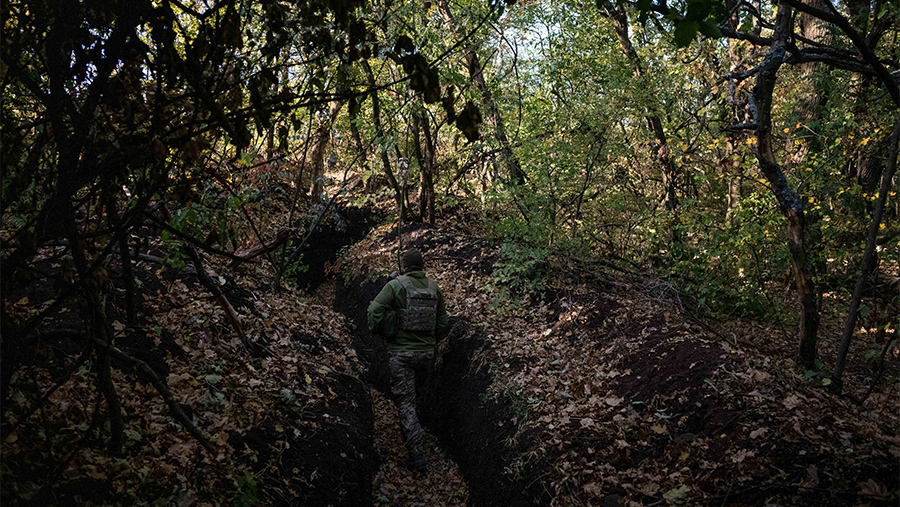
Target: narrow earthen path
x=394 y=485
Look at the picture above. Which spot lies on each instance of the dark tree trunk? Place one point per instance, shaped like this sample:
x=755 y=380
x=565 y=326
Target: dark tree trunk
x=379 y=132
x=789 y=202
x=869 y=259
x=425 y=156
x=362 y=151
x=317 y=153
x=812 y=98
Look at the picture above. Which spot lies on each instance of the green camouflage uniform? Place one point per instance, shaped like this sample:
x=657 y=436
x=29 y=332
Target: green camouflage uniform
x=410 y=353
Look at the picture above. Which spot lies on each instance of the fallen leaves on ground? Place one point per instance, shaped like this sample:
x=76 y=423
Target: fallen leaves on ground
x=394 y=484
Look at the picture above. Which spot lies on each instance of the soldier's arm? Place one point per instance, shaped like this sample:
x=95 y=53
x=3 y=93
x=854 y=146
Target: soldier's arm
x=382 y=303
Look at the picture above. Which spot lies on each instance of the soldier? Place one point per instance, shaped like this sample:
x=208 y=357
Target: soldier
x=409 y=312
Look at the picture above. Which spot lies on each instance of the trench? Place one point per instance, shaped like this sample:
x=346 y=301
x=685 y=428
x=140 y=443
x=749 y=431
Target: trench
x=476 y=431
x=471 y=433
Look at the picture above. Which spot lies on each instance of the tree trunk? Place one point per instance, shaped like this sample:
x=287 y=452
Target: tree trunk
x=619 y=19
x=740 y=113
x=317 y=154
x=513 y=169
x=869 y=259
x=426 y=164
x=99 y=329
x=379 y=133
x=812 y=98
x=362 y=151
x=790 y=203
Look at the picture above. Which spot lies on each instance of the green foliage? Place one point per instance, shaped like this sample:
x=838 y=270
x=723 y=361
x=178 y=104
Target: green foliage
x=727 y=269
x=818 y=376
x=873 y=355
x=247 y=494
x=293 y=263
x=701 y=16
x=519 y=272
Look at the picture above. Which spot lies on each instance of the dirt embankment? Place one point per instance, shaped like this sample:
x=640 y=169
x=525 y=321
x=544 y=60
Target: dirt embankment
x=603 y=391
x=477 y=429
x=288 y=419
x=598 y=391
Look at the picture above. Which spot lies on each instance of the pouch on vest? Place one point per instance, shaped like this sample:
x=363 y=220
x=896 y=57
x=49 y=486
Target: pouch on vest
x=420 y=313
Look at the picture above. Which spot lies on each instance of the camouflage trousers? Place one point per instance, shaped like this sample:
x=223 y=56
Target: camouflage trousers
x=406 y=367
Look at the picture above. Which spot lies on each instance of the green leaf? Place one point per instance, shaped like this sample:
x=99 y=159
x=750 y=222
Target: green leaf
x=642 y=5
x=864 y=311
x=676 y=495
x=709 y=28
x=685 y=33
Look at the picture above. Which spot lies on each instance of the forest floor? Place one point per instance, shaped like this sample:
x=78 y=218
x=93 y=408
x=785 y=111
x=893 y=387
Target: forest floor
x=619 y=395
x=394 y=484
x=623 y=397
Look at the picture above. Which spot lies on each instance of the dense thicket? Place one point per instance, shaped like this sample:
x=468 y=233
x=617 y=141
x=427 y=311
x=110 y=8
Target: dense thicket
x=737 y=147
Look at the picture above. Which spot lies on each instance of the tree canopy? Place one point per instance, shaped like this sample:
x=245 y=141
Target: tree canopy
x=744 y=151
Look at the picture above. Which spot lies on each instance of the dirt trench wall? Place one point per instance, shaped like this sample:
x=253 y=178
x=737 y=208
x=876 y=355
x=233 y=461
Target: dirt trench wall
x=334 y=230
x=330 y=466
x=478 y=432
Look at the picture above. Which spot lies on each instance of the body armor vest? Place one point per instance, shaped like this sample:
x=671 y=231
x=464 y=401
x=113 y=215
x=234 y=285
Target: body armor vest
x=420 y=313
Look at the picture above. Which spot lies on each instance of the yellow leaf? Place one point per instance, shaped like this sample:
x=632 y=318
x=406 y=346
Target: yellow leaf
x=684 y=455
x=308 y=380
x=786 y=130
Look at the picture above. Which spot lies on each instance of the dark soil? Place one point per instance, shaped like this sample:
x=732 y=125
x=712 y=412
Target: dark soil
x=330 y=459
x=352 y=299
x=669 y=362
x=332 y=465
x=336 y=230
x=470 y=254
x=479 y=432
